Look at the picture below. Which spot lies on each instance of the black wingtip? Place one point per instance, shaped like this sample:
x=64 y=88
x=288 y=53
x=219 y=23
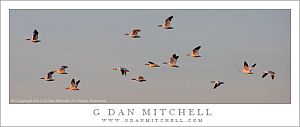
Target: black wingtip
x=78 y=82
x=215 y=86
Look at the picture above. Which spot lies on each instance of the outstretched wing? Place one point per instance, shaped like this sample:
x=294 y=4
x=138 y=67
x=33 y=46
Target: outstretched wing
x=264 y=75
x=35 y=35
x=64 y=66
x=73 y=81
x=135 y=32
x=173 y=59
x=77 y=83
x=271 y=72
x=150 y=62
x=168 y=21
x=246 y=66
x=196 y=50
x=216 y=85
x=174 y=56
x=123 y=72
x=49 y=74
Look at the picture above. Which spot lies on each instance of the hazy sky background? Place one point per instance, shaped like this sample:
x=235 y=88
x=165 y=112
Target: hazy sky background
x=91 y=43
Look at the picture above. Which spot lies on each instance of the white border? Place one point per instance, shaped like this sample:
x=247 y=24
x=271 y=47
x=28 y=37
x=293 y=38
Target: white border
x=223 y=114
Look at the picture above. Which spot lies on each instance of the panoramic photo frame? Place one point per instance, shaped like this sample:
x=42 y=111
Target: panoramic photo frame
x=192 y=112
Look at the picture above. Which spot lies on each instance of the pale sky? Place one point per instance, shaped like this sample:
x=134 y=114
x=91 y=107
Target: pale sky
x=91 y=43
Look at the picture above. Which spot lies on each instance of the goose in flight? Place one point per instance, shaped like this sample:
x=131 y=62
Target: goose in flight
x=35 y=37
x=217 y=83
x=134 y=33
x=139 y=79
x=73 y=85
x=195 y=52
x=123 y=70
x=247 y=69
x=48 y=77
x=151 y=64
x=61 y=70
x=173 y=61
x=269 y=72
x=167 y=23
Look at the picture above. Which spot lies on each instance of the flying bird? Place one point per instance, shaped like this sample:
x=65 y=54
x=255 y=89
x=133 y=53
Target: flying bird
x=139 y=79
x=48 y=77
x=134 y=33
x=167 y=23
x=173 y=61
x=269 y=72
x=73 y=85
x=61 y=70
x=35 y=37
x=217 y=83
x=123 y=70
x=195 y=52
x=151 y=64
x=247 y=69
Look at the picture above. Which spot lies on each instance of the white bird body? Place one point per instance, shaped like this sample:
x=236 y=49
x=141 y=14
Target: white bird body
x=48 y=77
x=195 y=52
x=73 y=85
x=134 y=33
x=247 y=69
x=167 y=23
x=122 y=69
x=139 y=79
x=217 y=83
x=272 y=73
x=173 y=61
x=152 y=64
x=61 y=70
x=34 y=37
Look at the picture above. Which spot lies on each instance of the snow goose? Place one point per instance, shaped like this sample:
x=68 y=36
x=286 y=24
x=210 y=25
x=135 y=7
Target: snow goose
x=173 y=61
x=269 y=72
x=48 y=77
x=73 y=85
x=195 y=52
x=61 y=70
x=139 y=79
x=217 y=83
x=247 y=69
x=123 y=70
x=167 y=23
x=34 y=37
x=134 y=33
x=151 y=64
